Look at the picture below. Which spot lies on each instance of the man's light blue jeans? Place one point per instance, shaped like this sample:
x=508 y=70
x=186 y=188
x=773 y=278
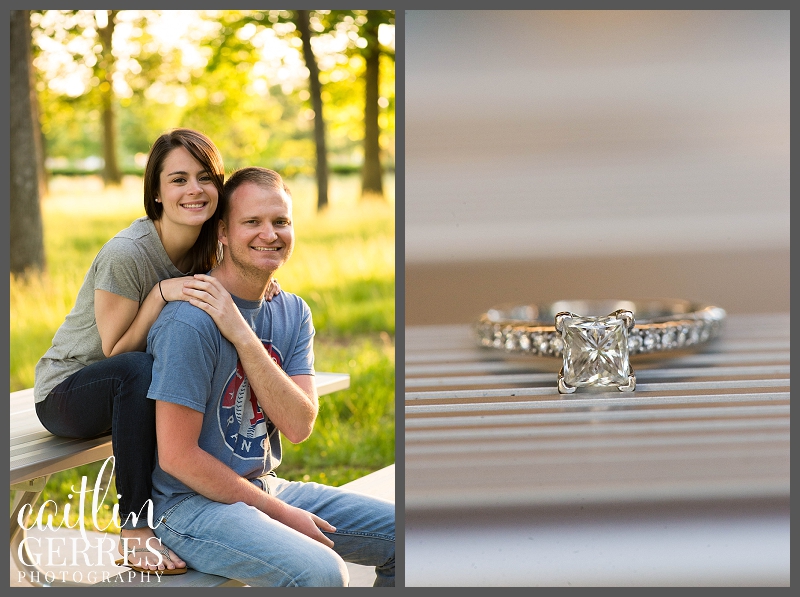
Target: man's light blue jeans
x=241 y=542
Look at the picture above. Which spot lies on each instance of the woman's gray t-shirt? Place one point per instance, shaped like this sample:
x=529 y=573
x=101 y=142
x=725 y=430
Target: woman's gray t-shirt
x=129 y=265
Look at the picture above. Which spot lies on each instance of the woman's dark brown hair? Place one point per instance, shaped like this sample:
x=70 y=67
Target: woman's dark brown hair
x=204 y=252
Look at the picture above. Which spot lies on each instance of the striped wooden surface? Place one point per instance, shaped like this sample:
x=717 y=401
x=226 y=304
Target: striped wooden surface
x=713 y=423
x=520 y=485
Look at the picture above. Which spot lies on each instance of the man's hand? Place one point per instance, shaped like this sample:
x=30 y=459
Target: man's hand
x=304 y=522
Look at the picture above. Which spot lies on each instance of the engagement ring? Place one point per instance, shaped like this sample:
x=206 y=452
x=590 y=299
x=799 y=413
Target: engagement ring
x=596 y=338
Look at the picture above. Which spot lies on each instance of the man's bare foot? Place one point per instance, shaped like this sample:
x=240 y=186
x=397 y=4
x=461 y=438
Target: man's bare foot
x=139 y=540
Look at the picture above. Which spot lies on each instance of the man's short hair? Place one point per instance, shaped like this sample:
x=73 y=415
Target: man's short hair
x=263 y=177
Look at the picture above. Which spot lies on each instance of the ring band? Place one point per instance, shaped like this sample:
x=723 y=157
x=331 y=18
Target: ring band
x=595 y=338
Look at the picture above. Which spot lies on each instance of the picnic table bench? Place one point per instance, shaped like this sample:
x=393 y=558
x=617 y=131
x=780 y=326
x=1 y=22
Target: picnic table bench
x=36 y=454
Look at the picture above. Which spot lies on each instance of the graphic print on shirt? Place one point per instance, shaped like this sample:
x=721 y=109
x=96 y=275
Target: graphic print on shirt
x=242 y=423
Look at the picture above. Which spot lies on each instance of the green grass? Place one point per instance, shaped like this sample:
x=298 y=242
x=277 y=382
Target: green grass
x=343 y=266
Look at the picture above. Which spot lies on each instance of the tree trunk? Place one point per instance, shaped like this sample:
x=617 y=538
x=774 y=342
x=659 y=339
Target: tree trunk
x=26 y=235
x=315 y=89
x=39 y=140
x=111 y=173
x=371 y=173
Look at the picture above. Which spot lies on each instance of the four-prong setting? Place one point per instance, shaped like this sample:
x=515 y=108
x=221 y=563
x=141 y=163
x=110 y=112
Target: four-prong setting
x=595 y=351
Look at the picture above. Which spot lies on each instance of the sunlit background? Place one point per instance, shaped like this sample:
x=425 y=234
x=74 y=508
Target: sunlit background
x=239 y=76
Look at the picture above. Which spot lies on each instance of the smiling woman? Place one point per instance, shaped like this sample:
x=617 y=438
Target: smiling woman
x=188 y=197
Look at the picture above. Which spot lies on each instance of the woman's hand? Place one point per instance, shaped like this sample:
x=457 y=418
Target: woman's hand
x=208 y=294
x=273 y=288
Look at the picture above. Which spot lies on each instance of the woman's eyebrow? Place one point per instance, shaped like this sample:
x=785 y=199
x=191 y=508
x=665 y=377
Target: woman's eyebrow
x=203 y=171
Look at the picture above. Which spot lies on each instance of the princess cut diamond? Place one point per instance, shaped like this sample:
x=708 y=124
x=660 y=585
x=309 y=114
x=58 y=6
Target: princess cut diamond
x=595 y=351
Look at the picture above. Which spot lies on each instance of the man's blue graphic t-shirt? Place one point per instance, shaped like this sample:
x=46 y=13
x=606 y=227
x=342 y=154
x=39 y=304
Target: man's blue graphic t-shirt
x=195 y=366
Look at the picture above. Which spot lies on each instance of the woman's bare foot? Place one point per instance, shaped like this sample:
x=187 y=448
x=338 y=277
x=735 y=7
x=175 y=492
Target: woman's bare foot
x=140 y=539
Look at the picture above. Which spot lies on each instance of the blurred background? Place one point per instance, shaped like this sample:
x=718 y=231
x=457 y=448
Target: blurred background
x=307 y=93
x=579 y=154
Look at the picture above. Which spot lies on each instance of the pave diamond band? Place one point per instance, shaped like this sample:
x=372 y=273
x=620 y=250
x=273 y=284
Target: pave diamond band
x=596 y=338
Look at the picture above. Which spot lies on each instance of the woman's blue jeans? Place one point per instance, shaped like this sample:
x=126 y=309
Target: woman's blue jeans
x=241 y=542
x=111 y=395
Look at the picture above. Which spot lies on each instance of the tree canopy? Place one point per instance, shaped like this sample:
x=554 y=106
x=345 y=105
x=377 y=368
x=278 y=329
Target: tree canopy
x=239 y=76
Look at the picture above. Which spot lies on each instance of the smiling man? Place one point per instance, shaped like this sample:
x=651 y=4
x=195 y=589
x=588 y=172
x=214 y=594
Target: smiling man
x=231 y=374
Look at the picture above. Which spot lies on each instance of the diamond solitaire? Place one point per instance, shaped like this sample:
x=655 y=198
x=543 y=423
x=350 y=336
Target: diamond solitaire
x=595 y=351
